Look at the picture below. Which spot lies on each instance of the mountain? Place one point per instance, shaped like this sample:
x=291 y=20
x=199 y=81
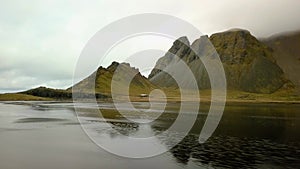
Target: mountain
x=251 y=65
x=286 y=51
x=248 y=63
x=118 y=74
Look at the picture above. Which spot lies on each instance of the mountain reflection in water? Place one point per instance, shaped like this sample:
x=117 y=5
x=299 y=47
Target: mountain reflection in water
x=248 y=136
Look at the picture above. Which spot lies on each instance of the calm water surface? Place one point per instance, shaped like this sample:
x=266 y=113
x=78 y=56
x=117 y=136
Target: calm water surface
x=36 y=135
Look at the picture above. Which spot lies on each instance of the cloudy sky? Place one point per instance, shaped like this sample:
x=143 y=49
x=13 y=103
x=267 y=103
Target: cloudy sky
x=40 y=41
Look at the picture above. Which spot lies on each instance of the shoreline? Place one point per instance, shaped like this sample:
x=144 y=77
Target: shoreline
x=230 y=101
x=206 y=102
x=232 y=98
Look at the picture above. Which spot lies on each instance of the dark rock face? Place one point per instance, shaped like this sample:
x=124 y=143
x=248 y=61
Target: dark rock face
x=263 y=76
x=248 y=64
x=181 y=47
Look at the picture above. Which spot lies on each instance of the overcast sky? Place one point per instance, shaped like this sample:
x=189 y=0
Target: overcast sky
x=40 y=41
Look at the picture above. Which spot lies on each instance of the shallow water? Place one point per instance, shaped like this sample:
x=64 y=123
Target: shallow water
x=48 y=135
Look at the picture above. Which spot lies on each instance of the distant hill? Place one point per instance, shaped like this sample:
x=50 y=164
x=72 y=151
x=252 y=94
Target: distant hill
x=48 y=93
x=248 y=63
x=286 y=51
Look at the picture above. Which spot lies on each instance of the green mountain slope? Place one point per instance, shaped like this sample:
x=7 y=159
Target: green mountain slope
x=118 y=74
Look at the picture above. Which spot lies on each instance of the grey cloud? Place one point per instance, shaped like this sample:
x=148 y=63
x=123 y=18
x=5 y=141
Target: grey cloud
x=41 y=40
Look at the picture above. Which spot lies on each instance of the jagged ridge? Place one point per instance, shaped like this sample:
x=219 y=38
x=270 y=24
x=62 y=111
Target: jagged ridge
x=248 y=63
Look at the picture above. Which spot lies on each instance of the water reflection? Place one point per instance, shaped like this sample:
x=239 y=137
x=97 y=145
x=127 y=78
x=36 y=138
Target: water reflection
x=247 y=137
x=234 y=152
x=125 y=128
x=255 y=136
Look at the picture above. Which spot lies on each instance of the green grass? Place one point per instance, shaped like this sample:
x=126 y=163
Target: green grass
x=282 y=95
x=21 y=97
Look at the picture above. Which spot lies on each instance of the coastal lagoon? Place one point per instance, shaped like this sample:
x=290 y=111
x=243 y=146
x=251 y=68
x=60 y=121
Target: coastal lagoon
x=47 y=135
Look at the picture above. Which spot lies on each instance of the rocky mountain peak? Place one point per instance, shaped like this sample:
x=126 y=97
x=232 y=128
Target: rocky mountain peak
x=238 y=46
x=120 y=74
x=248 y=63
x=182 y=40
x=125 y=67
x=113 y=66
x=180 y=48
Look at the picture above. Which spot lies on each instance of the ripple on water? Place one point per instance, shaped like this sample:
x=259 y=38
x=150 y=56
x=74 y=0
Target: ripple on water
x=233 y=152
x=38 y=119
